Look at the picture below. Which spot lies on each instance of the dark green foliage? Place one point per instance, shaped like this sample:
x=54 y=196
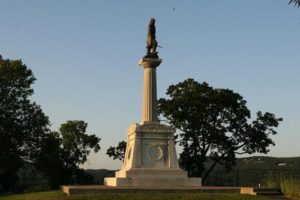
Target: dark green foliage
x=25 y=136
x=100 y=174
x=49 y=160
x=30 y=180
x=117 y=152
x=296 y=2
x=214 y=125
x=76 y=144
x=23 y=125
x=82 y=177
x=63 y=152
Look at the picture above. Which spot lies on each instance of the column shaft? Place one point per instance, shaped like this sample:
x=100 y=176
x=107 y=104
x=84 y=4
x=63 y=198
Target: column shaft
x=149 y=96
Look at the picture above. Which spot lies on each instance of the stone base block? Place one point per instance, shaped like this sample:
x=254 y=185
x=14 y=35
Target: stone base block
x=100 y=189
x=151 y=173
x=167 y=182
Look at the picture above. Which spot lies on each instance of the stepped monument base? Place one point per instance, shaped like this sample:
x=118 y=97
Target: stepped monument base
x=150 y=159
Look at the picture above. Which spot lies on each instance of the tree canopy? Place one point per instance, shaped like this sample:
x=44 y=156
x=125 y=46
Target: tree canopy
x=296 y=2
x=117 y=152
x=23 y=125
x=215 y=125
x=25 y=137
x=64 y=151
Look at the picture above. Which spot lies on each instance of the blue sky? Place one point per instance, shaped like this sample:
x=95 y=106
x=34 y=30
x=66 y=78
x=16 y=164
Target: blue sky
x=85 y=56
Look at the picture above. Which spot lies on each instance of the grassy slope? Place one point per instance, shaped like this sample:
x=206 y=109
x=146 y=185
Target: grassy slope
x=58 y=195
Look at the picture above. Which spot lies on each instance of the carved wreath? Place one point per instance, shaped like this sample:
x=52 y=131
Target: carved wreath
x=159 y=152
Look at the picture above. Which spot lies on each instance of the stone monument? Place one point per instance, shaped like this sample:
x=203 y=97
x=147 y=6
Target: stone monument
x=150 y=158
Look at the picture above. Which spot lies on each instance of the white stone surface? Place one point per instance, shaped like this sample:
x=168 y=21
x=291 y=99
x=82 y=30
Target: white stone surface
x=150 y=158
x=150 y=146
x=146 y=182
x=149 y=109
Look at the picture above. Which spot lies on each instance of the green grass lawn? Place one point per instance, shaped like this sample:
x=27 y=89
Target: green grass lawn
x=58 y=195
x=291 y=188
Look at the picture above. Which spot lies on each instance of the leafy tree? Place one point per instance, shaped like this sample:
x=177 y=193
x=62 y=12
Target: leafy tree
x=76 y=144
x=22 y=122
x=296 y=2
x=214 y=125
x=62 y=153
x=117 y=152
x=49 y=160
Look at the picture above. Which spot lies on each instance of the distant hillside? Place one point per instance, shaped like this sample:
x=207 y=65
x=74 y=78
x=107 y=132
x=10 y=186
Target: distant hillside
x=256 y=171
x=264 y=162
x=100 y=174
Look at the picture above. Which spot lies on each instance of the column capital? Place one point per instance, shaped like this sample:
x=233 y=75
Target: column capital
x=150 y=62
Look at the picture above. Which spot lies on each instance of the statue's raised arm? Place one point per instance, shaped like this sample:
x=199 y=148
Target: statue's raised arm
x=151 y=40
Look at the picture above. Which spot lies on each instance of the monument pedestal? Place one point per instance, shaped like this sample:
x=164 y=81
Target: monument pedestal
x=151 y=159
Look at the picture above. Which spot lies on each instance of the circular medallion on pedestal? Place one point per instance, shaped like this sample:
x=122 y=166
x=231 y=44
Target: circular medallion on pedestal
x=154 y=152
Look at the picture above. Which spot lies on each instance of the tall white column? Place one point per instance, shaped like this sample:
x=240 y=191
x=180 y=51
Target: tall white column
x=149 y=110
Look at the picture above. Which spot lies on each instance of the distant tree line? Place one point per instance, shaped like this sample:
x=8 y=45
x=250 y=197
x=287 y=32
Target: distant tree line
x=26 y=139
